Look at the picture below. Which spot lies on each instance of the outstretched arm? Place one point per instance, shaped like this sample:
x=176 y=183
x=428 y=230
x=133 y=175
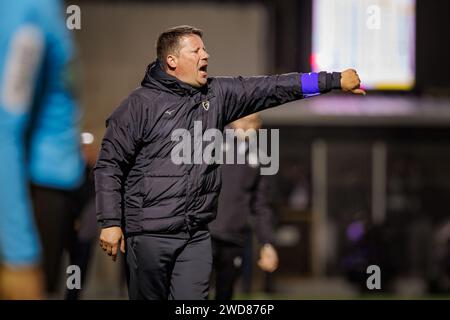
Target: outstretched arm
x=245 y=95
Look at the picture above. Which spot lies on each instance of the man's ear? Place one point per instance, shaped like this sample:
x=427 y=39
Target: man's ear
x=172 y=61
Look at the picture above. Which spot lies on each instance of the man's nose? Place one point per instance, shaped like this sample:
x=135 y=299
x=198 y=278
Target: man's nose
x=205 y=55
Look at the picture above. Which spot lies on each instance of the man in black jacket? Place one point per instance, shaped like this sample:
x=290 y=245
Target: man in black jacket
x=163 y=206
x=244 y=195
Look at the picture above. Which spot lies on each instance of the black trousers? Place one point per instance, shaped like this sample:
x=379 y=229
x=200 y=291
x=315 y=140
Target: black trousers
x=55 y=217
x=228 y=258
x=169 y=266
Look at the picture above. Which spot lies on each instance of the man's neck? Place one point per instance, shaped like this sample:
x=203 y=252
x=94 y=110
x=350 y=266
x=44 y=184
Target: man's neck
x=171 y=72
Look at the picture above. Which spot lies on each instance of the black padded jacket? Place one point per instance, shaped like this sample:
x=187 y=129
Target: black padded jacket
x=137 y=184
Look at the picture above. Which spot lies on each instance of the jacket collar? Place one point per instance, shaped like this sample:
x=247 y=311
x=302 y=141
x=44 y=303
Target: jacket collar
x=155 y=76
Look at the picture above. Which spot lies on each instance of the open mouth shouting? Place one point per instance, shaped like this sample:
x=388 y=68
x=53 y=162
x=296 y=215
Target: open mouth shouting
x=203 y=70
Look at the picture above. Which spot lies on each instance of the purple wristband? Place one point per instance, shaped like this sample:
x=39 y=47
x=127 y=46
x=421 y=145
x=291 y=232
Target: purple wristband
x=310 y=83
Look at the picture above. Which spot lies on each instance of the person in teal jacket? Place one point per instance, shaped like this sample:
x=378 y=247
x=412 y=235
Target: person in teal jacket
x=39 y=137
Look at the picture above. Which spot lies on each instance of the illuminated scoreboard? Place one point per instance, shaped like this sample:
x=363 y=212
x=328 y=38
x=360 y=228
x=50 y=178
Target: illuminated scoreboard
x=375 y=37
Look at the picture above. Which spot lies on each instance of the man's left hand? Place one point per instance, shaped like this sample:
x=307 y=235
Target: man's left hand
x=350 y=82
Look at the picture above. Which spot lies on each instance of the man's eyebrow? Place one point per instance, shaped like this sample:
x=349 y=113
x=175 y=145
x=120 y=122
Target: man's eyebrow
x=198 y=48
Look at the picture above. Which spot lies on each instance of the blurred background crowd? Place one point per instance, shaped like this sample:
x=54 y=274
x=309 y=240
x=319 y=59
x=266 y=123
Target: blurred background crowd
x=362 y=180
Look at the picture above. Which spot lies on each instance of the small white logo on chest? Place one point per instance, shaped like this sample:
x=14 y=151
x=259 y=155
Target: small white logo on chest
x=169 y=112
x=205 y=105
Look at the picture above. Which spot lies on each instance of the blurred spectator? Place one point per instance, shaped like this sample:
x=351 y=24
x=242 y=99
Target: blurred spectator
x=244 y=193
x=84 y=232
x=439 y=273
x=40 y=144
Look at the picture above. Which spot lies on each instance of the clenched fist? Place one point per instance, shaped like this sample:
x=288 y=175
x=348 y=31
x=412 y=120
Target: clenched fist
x=350 y=82
x=110 y=240
x=268 y=258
